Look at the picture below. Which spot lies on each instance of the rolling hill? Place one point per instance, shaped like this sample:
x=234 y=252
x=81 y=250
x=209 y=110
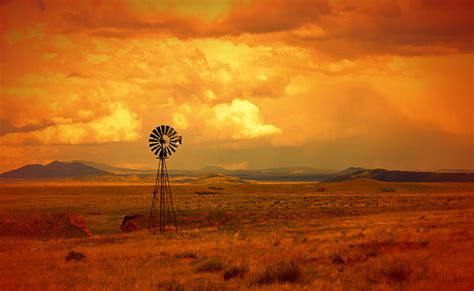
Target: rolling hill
x=402 y=176
x=54 y=170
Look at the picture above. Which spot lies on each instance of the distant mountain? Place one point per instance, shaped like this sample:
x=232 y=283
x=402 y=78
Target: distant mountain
x=115 y=170
x=79 y=169
x=402 y=176
x=295 y=171
x=349 y=171
x=272 y=174
x=54 y=170
x=454 y=171
x=221 y=179
x=213 y=170
x=296 y=174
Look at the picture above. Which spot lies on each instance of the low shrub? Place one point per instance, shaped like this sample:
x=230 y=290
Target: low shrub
x=336 y=258
x=235 y=271
x=205 y=192
x=388 y=190
x=76 y=256
x=302 y=239
x=372 y=254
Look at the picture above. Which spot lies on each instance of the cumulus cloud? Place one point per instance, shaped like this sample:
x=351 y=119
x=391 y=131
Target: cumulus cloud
x=118 y=126
x=242 y=119
x=238 y=120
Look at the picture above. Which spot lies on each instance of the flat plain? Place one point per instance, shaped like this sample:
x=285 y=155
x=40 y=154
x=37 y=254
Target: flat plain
x=355 y=235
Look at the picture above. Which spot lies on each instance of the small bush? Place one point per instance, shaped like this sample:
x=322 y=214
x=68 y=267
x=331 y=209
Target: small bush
x=216 y=216
x=205 y=192
x=336 y=258
x=372 y=254
x=188 y=255
x=216 y=188
x=396 y=271
x=206 y=285
x=76 y=256
x=235 y=271
x=212 y=265
x=302 y=239
x=282 y=272
x=171 y=285
x=388 y=190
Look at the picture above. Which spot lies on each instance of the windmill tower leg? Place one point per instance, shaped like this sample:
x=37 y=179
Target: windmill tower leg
x=162 y=220
x=152 y=217
x=172 y=216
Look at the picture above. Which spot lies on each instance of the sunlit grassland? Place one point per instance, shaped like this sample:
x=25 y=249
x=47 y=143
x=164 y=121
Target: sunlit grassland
x=351 y=235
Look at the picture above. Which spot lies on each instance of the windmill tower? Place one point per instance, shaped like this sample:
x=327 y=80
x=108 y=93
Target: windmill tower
x=163 y=143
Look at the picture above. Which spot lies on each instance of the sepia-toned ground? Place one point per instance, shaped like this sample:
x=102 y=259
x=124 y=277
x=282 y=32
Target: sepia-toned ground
x=350 y=235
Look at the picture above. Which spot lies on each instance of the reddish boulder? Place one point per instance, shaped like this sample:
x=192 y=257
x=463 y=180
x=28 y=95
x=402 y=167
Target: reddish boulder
x=78 y=221
x=131 y=222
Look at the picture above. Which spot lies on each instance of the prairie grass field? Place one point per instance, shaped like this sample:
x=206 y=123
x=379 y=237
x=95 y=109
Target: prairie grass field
x=357 y=235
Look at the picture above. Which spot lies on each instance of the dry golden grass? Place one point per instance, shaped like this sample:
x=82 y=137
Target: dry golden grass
x=352 y=235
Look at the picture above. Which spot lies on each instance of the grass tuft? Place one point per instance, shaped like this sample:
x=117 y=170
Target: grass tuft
x=186 y=255
x=206 y=285
x=212 y=265
x=282 y=272
x=171 y=285
x=235 y=271
x=396 y=271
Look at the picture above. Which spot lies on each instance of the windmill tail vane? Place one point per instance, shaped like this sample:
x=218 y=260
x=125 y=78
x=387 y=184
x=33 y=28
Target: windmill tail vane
x=163 y=142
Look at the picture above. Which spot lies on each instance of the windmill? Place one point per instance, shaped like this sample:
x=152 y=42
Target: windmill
x=163 y=143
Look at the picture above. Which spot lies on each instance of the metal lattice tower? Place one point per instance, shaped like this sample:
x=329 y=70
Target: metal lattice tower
x=163 y=143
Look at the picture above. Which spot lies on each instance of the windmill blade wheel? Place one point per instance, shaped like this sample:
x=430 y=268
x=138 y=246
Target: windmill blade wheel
x=163 y=141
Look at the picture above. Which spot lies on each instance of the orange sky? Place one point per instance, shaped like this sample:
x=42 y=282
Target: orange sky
x=249 y=84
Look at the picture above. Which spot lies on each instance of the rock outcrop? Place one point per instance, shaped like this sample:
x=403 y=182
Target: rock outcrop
x=44 y=225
